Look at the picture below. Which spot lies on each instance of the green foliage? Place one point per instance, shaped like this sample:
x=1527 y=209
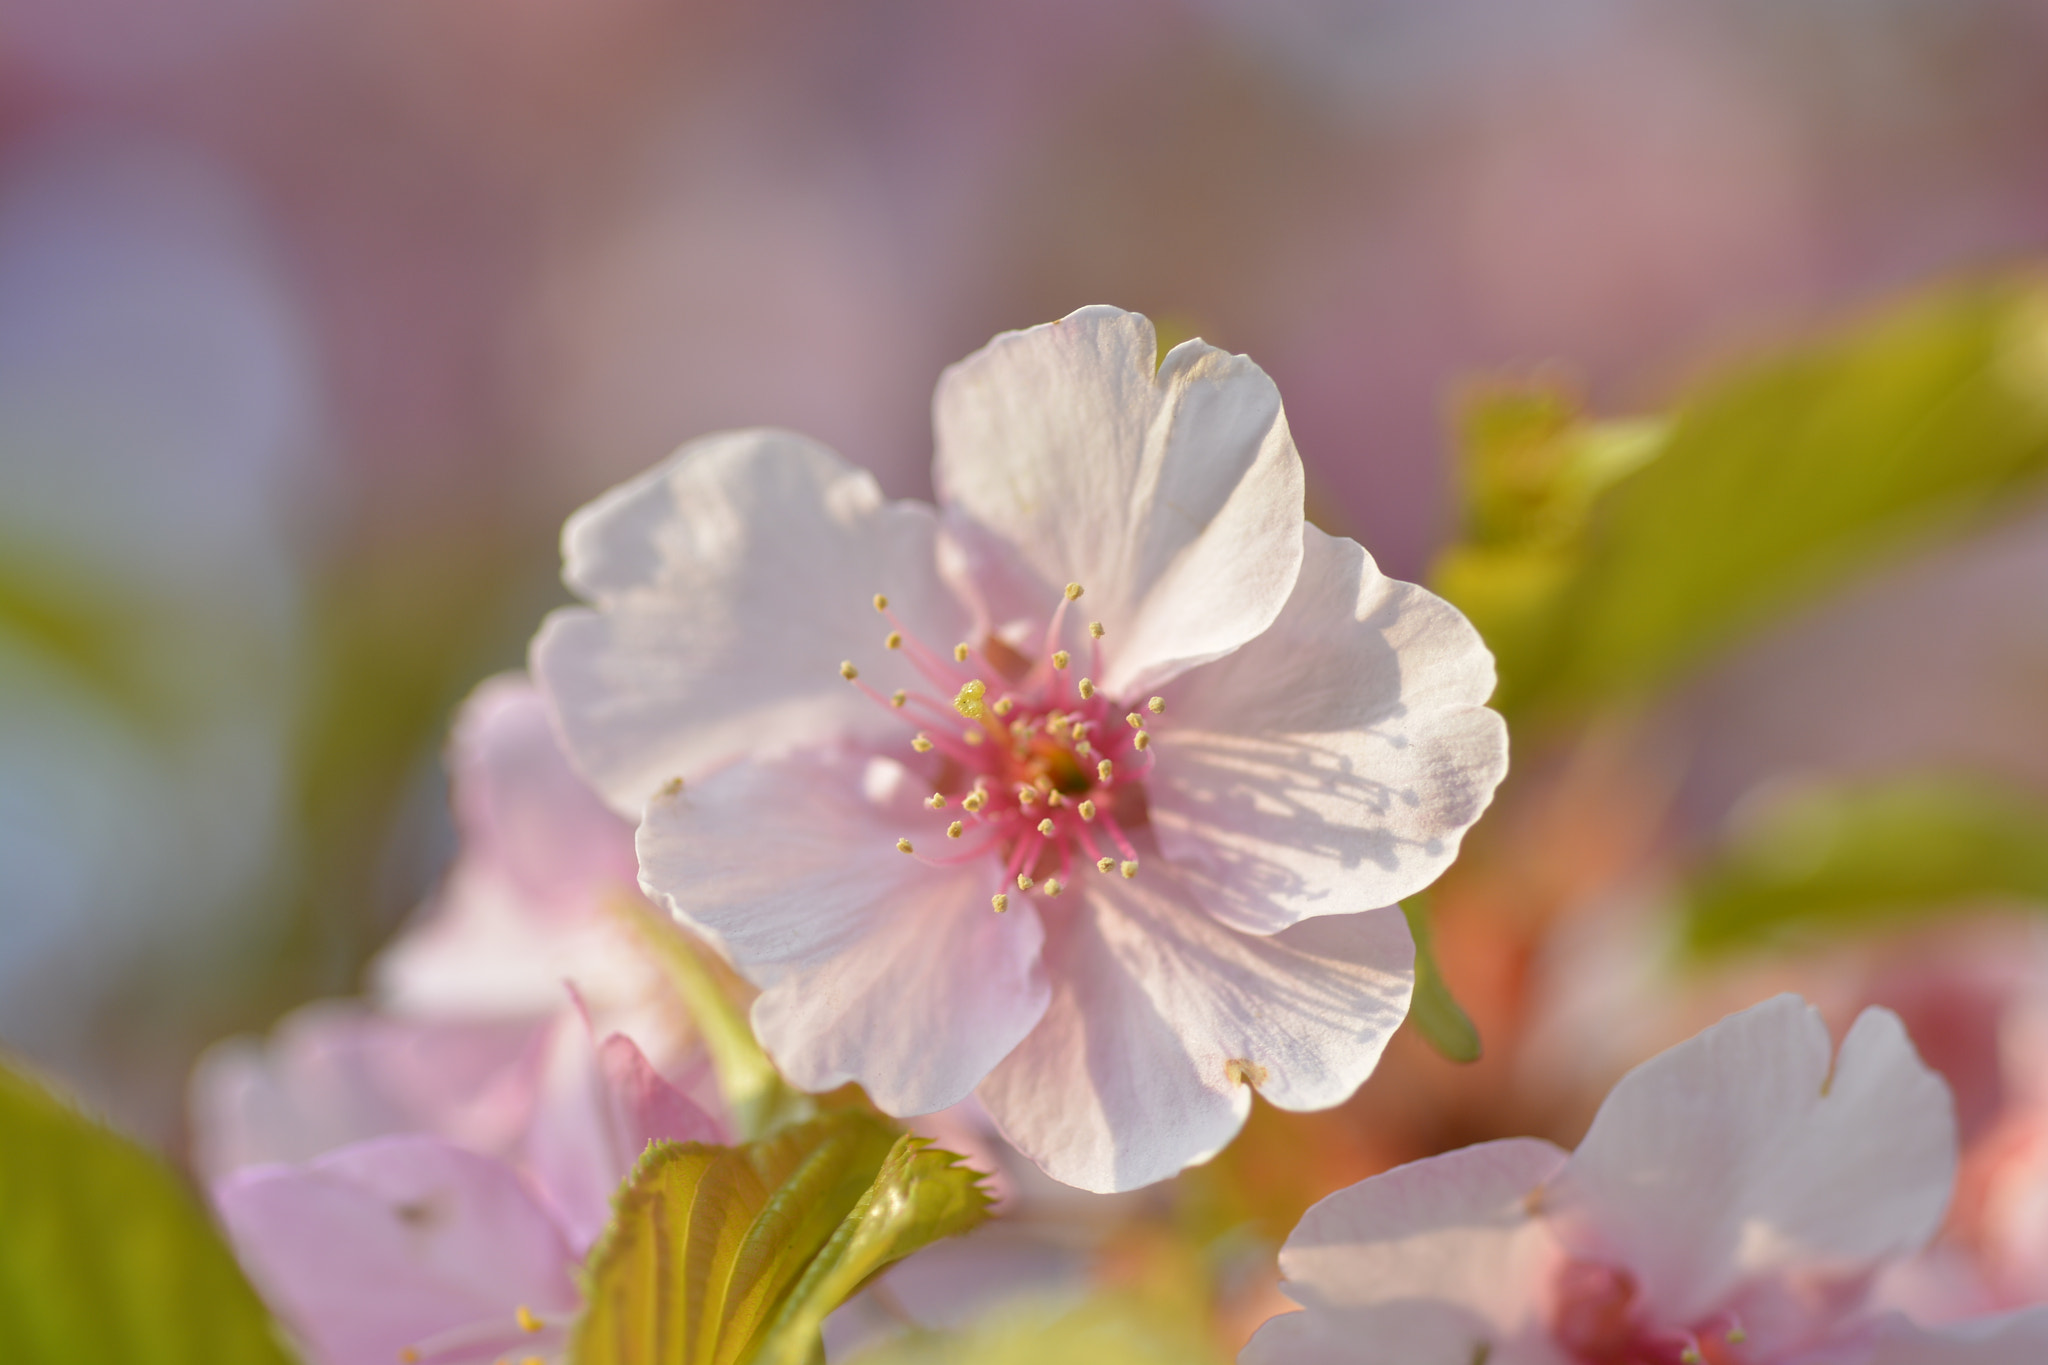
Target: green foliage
x=1109 y=1329
x=726 y=1255
x=919 y=1196
x=1603 y=561
x=1843 y=858
x=105 y=1256
x=1434 y=1012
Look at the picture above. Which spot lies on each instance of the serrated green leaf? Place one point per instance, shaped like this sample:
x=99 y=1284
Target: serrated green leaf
x=1109 y=1329
x=705 y=1242
x=1773 y=485
x=920 y=1195
x=1434 y=1011
x=105 y=1255
x=1839 y=859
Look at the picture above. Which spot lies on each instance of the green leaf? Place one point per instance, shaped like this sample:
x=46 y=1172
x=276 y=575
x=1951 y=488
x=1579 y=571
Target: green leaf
x=1837 y=859
x=104 y=1253
x=1108 y=1329
x=1772 y=485
x=756 y=1097
x=920 y=1195
x=1436 y=1014
x=705 y=1242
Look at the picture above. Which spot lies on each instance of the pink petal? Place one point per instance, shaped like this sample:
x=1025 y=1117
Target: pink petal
x=1157 y=1013
x=1172 y=494
x=1742 y=1152
x=1332 y=764
x=727 y=585
x=2010 y=1339
x=333 y=1073
x=379 y=1246
x=525 y=812
x=873 y=966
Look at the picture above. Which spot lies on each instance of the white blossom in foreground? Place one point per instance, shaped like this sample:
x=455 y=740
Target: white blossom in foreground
x=1731 y=1205
x=1088 y=792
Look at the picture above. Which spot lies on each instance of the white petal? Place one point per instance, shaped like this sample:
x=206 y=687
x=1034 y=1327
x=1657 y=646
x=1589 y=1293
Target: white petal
x=1333 y=764
x=1173 y=496
x=727 y=585
x=2019 y=1338
x=874 y=966
x=1741 y=1152
x=1157 y=1009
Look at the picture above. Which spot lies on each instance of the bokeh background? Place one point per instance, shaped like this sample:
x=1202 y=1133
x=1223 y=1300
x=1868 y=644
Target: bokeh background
x=318 y=316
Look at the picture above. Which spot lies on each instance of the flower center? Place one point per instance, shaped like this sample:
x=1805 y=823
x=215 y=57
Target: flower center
x=1598 y=1322
x=1042 y=768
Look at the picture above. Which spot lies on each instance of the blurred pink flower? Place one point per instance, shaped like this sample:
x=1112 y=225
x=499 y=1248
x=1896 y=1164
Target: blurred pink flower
x=1731 y=1204
x=1192 y=814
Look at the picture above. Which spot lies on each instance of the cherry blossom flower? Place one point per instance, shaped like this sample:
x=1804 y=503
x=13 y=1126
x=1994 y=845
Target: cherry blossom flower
x=1089 y=792
x=1730 y=1205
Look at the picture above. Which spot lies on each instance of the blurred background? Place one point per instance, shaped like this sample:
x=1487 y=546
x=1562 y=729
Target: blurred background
x=318 y=316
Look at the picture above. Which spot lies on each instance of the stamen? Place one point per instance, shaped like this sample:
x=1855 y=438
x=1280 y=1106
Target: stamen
x=1105 y=770
x=960 y=653
x=527 y=1321
x=1095 y=629
x=903 y=846
x=921 y=742
x=881 y=602
x=847 y=670
x=1055 y=797
x=1000 y=901
x=1087 y=810
x=893 y=640
x=937 y=801
x=1023 y=881
x=1060 y=658
x=953 y=830
x=1026 y=795
x=1105 y=864
x=1045 y=827
x=1053 y=886
x=1142 y=742
x=968 y=701
x=1002 y=707
x=1136 y=721
x=973 y=736
x=1084 y=748
x=973 y=801
x=898 y=697
x=1157 y=706
x=1074 y=591
x=1087 y=688
x=1129 y=868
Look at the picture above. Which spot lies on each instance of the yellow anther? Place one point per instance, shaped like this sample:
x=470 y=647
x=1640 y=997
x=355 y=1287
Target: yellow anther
x=1087 y=688
x=953 y=830
x=1157 y=706
x=898 y=697
x=936 y=801
x=973 y=735
x=1095 y=629
x=1073 y=591
x=1691 y=1356
x=1053 y=886
x=1045 y=826
x=1142 y=742
x=969 y=700
x=847 y=670
x=1078 y=729
x=1002 y=707
x=1104 y=770
x=672 y=788
x=1023 y=881
x=1129 y=867
x=1026 y=795
x=1060 y=658
x=1087 y=809
x=1136 y=721
x=527 y=1321
x=1083 y=748
x=1736 y=1336
x=881 y=602
x=1000 y=902
x=921 y=742
x=1105 y=864
x=893 y=640
x=960 y=653
x=974 y=801
x=903 y=846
